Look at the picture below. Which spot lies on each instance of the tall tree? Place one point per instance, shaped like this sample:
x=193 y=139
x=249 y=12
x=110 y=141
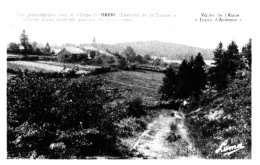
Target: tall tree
x=191 y=62
x=247 y=53
x=129 y=54
x=232 y=58
x=218 y=73
x=185 y=79
x=168 y=90
x=218 y=54
x=199 y=76
x=189 y=80
x=24 y=40
x=226 y=63
x=47 y=49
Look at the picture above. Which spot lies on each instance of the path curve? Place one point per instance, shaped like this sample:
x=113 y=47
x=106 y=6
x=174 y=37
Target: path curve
x=154 y=142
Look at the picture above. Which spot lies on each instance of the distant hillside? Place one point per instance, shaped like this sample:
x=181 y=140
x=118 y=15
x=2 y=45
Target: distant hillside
x=160 y=49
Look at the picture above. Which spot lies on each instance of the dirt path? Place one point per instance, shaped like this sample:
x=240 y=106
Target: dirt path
x=158 y=141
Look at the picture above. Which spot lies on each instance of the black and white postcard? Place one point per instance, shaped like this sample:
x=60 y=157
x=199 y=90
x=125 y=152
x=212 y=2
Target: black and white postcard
x=128 y=80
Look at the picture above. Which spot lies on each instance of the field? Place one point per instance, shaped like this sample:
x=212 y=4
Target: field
x=81 y=67
x=48 y=66
x=143 y=84
x=36 y=66
x=18 y=65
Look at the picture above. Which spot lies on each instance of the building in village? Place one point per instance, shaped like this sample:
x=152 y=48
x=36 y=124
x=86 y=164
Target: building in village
x=70 y=53
x=87 y=52
x=56 y=51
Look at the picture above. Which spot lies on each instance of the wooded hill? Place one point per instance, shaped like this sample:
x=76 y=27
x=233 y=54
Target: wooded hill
x=171 y=51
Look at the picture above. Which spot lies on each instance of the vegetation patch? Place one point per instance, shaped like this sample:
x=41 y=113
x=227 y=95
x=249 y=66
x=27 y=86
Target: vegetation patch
x=233 y=124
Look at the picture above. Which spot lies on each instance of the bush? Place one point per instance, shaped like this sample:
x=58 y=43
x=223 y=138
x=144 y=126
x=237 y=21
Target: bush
x=130 y=126
x=101 y=70
x=41 y=111
x=71 y=73
x=173 y=134
x=135 y=107
x=173 y=127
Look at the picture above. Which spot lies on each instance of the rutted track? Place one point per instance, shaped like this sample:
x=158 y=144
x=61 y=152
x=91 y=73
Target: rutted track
x=153 y=142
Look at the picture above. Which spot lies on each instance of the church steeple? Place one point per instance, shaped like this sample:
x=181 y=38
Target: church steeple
x=94 y=43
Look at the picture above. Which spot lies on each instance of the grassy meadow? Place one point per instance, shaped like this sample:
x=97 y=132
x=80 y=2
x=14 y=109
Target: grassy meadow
x=143 y=84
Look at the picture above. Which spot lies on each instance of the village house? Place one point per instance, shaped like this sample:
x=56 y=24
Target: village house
x=70 y=53
x=56 y=51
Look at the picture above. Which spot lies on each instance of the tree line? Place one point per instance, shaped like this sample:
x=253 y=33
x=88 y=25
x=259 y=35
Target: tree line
x=25 y=47
x=192 y=77
x=130 y=57
x=189 y=79
x=227 y=62
x=124 y=59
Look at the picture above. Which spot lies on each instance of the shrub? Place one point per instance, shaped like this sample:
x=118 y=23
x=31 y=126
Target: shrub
x=130 y=126
x=173 y=135
x=101 y=70
x=135 y=107
x=41 y=111
x=173 y=127
x=71 y=73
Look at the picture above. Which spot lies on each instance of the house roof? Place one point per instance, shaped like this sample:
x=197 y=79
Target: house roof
x=74 y=50
x=82 y=50
x=105 y=53
x=56 y=50
x=95 y=49
x=90 y=48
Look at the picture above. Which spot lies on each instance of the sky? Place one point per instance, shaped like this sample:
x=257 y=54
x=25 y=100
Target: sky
x=181 y=29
